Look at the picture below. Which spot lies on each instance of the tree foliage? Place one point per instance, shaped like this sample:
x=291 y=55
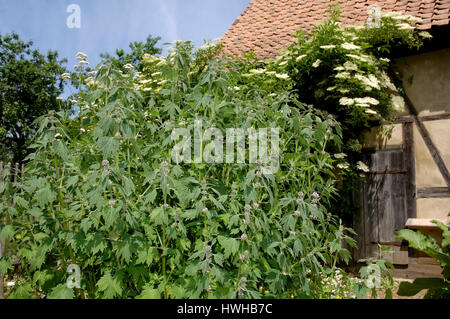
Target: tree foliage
x=30 y=83
x=138 y=49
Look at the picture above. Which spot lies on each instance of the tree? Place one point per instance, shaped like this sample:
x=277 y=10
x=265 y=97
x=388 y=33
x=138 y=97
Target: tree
x=30 y=84
x=138 y=49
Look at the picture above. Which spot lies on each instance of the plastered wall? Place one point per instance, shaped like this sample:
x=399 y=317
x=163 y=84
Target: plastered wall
x=426 y=79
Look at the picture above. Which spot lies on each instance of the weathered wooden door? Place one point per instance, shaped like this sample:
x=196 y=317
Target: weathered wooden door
x=383 y=201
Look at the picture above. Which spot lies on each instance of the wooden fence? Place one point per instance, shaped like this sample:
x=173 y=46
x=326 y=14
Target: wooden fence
x=8 y=174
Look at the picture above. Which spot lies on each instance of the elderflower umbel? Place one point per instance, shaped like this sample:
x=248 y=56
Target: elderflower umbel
x=367 y=100
x=346 y=101
x=342 y=75
x=398 y=103
x=371 y=112
x=327 y=47
x=362 y=166
x=350 y=46
x=343 y=166
x=340 y=155
x=300 y=57
x=81 y=56
x=282 y=76
x=350 y=66
x=425 y=35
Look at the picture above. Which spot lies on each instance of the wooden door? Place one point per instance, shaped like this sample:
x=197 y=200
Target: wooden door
x=383 y=202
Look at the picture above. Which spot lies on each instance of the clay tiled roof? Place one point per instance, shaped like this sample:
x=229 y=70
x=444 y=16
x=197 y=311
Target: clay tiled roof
x=266 y=26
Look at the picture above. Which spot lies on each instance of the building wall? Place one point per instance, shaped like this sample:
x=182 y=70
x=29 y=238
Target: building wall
x=426 y=80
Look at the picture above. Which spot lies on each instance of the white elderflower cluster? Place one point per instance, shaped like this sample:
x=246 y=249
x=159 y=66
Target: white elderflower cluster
x=342 y=75
x=317 y=63
x=370 y=112
x=350 y=46
x=300 y=57
x=346 y=101
x=340 y=155
x=362 y=167
x=366 y=101
x=350 y=66
x=370 y=81
x=282 y=76
x=398 y=103
x=257 y=71
x=80 y=56
x=343 y=165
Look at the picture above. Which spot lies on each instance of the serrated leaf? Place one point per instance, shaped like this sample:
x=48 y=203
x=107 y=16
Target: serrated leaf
x=424 y=243
x=159 y=216
x=147 y=256
x=6 y=232
x=124 y=250
x=96 y=243
x=36 y=212
x=45 y=196
x=61 y=292
x=108 y=146
x=230 y=246
x=23 y=291
x=149 y=293
x=111 y=286
x=5 y=265
x=19 y=201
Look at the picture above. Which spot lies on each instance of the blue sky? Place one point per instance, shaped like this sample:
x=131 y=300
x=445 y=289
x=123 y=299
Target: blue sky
x=110 y=24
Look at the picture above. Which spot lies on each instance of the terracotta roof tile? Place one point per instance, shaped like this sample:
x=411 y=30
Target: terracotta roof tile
x=267 y=26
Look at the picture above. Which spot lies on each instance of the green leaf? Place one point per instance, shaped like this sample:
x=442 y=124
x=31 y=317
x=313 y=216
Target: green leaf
x=41 y=277
x=159 y=216
x=6 y=232
x=108 y=146
x=128 y=186
x=45 y=196
x=61 y=150
x=71 y=181
x=36 y=212
x=124 y=250
x=110 y=286
x=424 y=243
x=230 y=245
x=96 y=243
x=23 y=291
x=178 y=292
x=5 y=265
x=147 y=256
x=20 y=202
x=410 y=289
x=61 y=292
x=445 y=233
x=149 y=293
